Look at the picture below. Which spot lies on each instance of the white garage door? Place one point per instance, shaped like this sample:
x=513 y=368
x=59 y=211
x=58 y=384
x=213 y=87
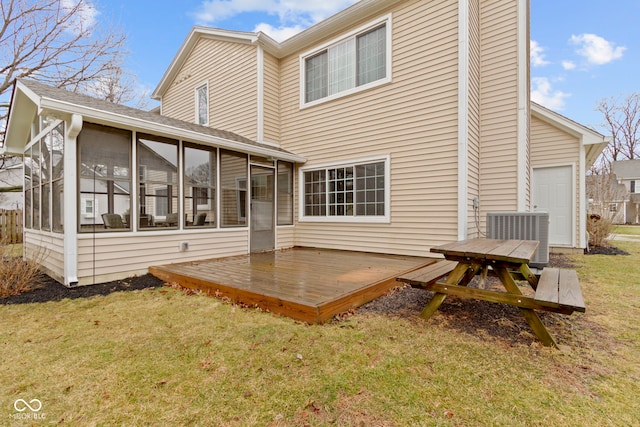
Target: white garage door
x=553 y=193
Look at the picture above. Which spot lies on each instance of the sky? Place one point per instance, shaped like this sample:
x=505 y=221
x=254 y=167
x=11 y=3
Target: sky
x=581 y=52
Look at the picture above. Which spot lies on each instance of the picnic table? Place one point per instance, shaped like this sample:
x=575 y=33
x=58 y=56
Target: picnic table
x=556 y=290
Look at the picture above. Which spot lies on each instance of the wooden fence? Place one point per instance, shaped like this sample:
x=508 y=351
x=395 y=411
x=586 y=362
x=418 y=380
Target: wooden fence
x=10 y=226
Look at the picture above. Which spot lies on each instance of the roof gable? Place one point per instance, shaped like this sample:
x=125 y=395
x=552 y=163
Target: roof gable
x=335 y=23
x=594 y=142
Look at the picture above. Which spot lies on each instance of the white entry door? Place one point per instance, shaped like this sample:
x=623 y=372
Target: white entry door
x=553 y=193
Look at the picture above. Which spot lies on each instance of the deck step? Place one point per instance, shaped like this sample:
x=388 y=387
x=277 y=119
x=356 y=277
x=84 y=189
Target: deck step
x=429 y=274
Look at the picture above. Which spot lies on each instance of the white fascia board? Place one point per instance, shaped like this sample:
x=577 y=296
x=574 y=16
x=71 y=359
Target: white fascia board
x=114 y=119
x=24 y=103
x=335 y=23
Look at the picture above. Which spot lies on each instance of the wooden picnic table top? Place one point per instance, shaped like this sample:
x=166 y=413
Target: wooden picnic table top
x=487 y=250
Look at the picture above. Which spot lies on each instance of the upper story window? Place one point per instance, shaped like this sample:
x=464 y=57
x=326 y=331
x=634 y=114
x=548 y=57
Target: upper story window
x=632 y=187
x=360 y=60
x=202 y=104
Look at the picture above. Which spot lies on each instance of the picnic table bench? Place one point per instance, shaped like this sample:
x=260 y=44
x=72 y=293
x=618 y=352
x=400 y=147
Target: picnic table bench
x=556 y=290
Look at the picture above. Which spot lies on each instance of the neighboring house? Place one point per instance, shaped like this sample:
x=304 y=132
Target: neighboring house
x=627 y=173
x=11 y=184
x=390 y=127
x=607 y=197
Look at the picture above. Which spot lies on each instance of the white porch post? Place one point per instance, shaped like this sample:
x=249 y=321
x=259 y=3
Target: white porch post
x=70 y=221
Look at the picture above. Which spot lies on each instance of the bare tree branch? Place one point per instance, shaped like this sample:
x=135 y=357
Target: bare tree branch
x=622 y=121
x=57 y=42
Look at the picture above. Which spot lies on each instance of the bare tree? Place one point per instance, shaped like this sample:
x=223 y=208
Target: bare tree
x=120 y=87
x=60 y=43
x=622 y=121
x=57 y=42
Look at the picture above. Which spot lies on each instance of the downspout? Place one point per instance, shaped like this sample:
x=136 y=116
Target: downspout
x=524 y=166
x=70 y=221
x=463 y=117
x=582 y=188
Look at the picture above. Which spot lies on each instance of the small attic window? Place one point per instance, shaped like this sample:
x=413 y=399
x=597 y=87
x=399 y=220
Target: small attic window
x=202 y=104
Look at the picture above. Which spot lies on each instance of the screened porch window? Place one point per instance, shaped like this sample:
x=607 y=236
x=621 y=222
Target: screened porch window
x=233 y=183
x=200 y=186
x=285 y=193
x=356 y=190
x=158 y=183
x=105 y=179
x=354 y=62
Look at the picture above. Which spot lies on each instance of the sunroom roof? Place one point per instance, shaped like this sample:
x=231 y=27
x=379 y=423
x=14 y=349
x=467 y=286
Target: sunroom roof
x=56 y=102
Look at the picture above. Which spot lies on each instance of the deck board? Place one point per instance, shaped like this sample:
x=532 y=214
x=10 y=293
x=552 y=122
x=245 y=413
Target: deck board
x=307 y=284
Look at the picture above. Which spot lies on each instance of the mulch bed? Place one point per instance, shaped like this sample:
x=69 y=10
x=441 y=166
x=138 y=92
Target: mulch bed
x=470 y=316
x=50 y=290
x=606 y=250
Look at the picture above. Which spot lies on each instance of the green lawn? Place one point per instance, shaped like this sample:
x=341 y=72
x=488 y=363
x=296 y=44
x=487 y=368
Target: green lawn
x=633 y=230
x=161 y=357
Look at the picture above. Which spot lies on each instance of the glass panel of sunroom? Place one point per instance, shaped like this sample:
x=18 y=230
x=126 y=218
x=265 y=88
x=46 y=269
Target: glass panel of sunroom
x=233 y=182
x=199 y=186
x=158 y=184
x=105 y=178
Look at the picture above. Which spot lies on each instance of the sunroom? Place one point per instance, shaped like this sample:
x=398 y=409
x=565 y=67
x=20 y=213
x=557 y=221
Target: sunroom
x=110 y=190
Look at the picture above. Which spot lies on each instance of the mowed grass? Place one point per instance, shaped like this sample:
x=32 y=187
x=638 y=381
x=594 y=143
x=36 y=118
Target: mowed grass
x=631 y=230
x=162 y=357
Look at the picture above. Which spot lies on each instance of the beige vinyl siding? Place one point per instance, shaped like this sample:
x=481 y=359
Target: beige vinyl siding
x=231 y=72
x=271 y=99
x=474 y=115
x=499 y=106
x=285 y=237
x=413 y=119
x=551 y=146
x=118 y=256
x=48 y=250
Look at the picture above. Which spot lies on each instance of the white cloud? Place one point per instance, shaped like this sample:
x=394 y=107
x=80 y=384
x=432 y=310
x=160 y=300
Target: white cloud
x=537 y=54
x=293 y=16
x=597 y=50
x=543 y=93
x=84 y=15
x=278 y=33
x=568 y=65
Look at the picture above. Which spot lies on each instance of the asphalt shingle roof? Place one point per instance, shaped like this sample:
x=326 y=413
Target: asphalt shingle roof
x=89 y=102
x=625 y=169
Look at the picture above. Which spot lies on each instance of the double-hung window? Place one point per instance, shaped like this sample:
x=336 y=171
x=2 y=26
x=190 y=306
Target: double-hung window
x=358 y=61
x=357 y=191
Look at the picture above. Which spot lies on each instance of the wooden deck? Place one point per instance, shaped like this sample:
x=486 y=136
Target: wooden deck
x=307 y=284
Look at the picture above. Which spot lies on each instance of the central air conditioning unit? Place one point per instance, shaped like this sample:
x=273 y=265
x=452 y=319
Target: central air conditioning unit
x=522 y=226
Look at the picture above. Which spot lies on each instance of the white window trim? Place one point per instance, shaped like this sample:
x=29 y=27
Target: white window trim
x=385 y=19
x=197 y=106
x=349 y=219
